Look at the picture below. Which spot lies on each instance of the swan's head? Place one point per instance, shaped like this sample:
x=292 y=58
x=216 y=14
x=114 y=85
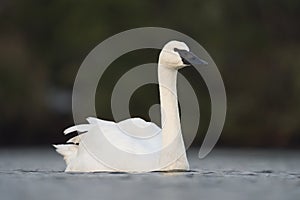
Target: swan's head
x=177 y=55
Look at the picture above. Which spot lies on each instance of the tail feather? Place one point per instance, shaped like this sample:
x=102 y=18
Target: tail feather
x=75 y=140
x=80 y=128
x=68 y=151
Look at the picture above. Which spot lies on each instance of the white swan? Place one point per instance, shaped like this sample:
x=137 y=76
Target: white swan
x=134 y=145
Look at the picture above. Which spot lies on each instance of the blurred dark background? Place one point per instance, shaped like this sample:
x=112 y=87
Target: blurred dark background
x=255 y=44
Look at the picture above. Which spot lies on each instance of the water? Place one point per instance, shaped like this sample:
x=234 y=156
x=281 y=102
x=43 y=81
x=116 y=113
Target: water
x=225 y=174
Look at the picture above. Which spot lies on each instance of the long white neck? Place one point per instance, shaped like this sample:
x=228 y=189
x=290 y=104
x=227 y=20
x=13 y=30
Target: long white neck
x=170 y=120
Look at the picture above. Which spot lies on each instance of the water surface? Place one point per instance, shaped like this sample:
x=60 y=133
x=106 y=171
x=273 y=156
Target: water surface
x=225 y=174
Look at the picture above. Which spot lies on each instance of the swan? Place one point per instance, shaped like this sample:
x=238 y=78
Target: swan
x=134 y=145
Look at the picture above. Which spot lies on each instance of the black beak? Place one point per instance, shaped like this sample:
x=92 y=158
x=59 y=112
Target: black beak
x=189 y=58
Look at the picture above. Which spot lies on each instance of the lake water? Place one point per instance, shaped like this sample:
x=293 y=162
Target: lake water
x=37 y=173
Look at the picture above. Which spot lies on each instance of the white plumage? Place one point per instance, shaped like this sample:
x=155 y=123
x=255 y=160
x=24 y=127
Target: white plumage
x=134 y=145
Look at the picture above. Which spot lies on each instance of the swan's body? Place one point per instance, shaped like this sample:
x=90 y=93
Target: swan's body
x=129 y=145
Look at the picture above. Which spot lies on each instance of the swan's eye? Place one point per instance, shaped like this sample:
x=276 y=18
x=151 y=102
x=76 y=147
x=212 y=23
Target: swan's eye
x=181 y=51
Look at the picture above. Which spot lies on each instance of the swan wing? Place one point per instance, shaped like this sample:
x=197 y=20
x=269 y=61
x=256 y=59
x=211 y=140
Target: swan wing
x=134 y=135
x=103 y=142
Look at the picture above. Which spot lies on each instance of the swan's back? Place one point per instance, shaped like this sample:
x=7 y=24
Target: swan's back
x=101 y=138
x=133 y=135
